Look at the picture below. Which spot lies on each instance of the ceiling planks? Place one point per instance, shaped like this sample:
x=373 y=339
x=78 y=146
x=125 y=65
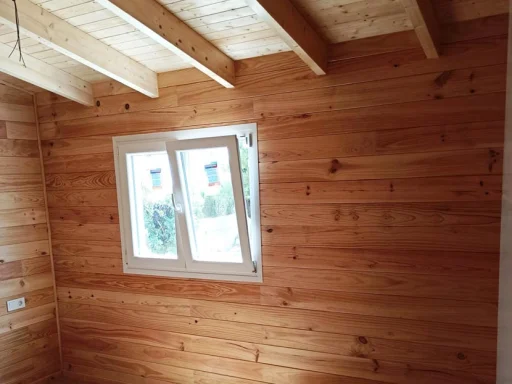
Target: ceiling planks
x=58 y=34
x=295 y=30
x=425 y=24
x=155 y=21
x=234 y=29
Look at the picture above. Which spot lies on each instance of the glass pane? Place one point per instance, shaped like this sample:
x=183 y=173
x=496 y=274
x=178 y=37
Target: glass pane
x=213 y=227
x=151 y=205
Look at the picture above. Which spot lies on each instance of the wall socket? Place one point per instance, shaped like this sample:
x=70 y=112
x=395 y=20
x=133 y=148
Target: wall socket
x=14 y=305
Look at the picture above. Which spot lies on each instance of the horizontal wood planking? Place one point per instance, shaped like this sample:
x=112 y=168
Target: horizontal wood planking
x=20 y=166
x=261 y=370
x=399 y=41
x=79 y=163
x=85 y=231
x=480 y=108
x=443 y=310
x=431 y=189
x=29 y=344
x=453 y=238
x=21 y=131
x=343 y=73
x=91 y=248
x=108 y=105
x=383 y=283
x=19 y=148
x=380 y=195
x=475 y=29
x=92 y=264
x=384 y=67
x=26 y=284
x=27 y=350
x=23 y=251
x=349 y=259
x=103 y=254
x=38 y=298
x=81 y=180
x=11 y=95
x=85 y=198
x=467 y=10
x=287 y=327
x=454 y=163
x=86 y=215
x=17 y=113
x=24 y=233
x=32 y=369
x=83 y=146
x=269 y=374
x=74 y=373
x=20 y=183
x=389 y=215
x=17 y=217
x=413 y=88
x=173 y=117
x=20 y=319
x=420 y=285
x=24 y=268
x=422 y=139
x=28 y=334
x=353 y=346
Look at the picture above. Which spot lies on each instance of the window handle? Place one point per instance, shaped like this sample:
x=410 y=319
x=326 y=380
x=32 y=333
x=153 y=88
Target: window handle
x=177 y=206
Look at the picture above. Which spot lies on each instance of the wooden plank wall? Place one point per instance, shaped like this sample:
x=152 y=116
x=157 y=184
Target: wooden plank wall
x=380 y=192
x=29 y=346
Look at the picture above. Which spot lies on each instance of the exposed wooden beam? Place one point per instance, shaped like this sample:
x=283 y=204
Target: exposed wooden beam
x=292 y=27
x=154 y=20
x=425 y=24
x=57 y=34
x=46 y=76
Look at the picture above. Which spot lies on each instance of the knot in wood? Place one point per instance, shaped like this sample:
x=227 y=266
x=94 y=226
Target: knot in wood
x=335 y=165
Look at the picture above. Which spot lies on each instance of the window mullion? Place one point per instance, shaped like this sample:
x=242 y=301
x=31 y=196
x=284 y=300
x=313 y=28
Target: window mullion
x=236 y=180
x=184 y=251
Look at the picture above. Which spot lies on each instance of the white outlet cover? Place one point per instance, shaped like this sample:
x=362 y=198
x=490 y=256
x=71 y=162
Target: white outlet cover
x=14 y=305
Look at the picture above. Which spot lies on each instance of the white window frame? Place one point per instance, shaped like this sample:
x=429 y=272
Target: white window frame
x=185 y=266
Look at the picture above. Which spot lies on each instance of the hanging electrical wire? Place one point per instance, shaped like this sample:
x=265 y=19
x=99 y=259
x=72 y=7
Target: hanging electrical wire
x=18 y=40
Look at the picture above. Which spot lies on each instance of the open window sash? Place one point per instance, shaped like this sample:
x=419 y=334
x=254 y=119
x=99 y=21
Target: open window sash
x=190 y=162
x=136 y=255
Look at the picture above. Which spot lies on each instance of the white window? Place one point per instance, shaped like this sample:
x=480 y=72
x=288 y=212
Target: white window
x=189 y=203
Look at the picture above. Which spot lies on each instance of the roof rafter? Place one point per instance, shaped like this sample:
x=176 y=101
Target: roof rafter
x=154 y=20
x=297 y=33
x=46 y=76
x=421 y=13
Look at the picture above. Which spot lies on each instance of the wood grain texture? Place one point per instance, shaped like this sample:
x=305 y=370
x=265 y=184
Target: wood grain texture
x=453 y=163
x=378 y=215
x=422 y=139
x=426 y=25
x=294 y=29
x=89 y=180
x=76 y=331
x=22 y=131
x=162 y=26
x=354 y=70
x=349 y=259
x=16 y=217
x=380 y=192
x=408 y=115
x=287 y=326
x=29 y=345
x=431 y=189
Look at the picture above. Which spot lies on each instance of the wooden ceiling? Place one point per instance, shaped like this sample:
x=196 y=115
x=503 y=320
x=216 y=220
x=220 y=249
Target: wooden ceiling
x=233 y=27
